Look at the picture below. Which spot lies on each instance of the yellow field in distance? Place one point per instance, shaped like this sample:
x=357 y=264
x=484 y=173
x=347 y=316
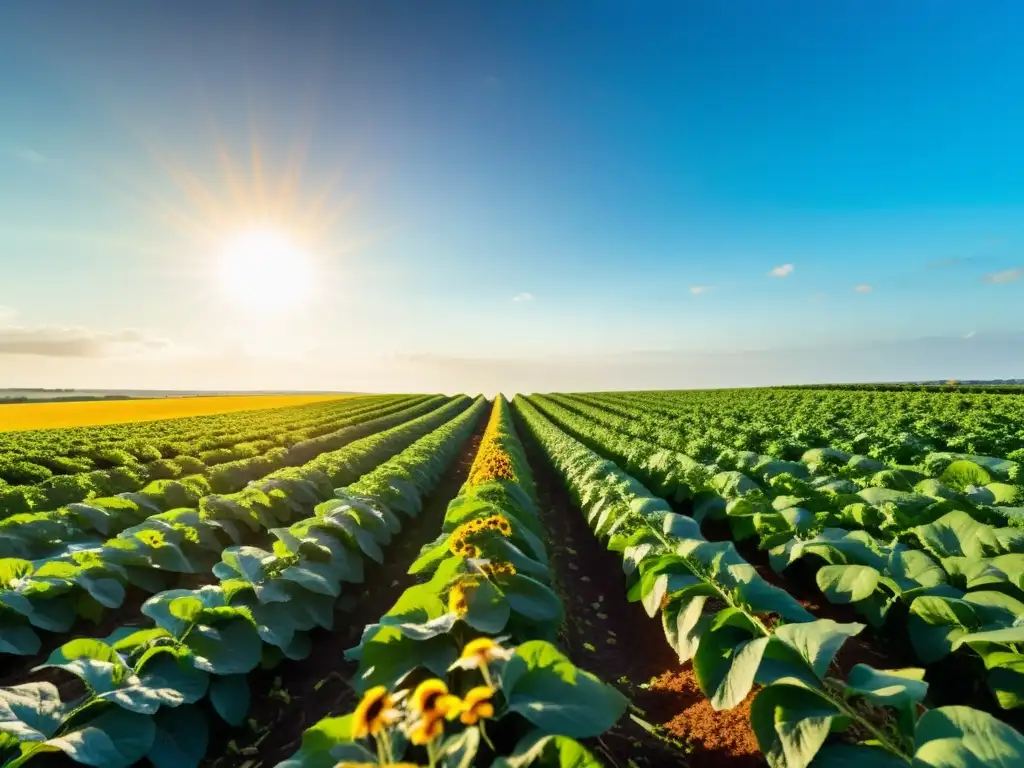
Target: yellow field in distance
x=22 y=416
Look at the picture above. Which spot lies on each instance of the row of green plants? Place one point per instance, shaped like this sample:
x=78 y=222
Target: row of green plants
x=988 y=484
x=739 y=631
x=462 y=670
x=32 y=456
x=895 y=427
x=146 y=691
x=949 y=582
x=42 y=534
x=227 y=469
x=188 y=435
x=82 y=583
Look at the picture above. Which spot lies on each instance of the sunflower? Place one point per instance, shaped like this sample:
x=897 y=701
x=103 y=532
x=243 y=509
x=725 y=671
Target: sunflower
x=432 y=700
x=426 y=730
x=477 y=705
x=477 y=654
x=492 y=569
x=375 y=712
x=458 y=596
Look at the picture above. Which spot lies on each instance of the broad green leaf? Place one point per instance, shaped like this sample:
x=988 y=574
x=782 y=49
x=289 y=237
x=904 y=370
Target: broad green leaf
x=899 y=688
x=847 y=583
x=856 y=756
x=232 y=647
x=488 y=611
x=19 y=639
x=32 y=711
x=230 y=697
x=816 y=642
x=791 y=723
x=115 y=739
x=166 y=681
x=960 y=737
x=180 y=739
x=542 y=685
x=391 y=655
x=726 y=663
x=539 y=748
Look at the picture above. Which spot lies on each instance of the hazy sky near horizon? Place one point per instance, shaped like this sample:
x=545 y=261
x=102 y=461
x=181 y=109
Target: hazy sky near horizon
x=515 y=196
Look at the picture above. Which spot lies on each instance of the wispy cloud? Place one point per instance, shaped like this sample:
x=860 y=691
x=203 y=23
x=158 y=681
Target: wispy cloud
x=7 y=314
x=697 y=290
x=970 y=334
x=783 y=270
x=864 y=288
x=76 y=342
x=1006 y=276
x=523 y=296
x=30 y=155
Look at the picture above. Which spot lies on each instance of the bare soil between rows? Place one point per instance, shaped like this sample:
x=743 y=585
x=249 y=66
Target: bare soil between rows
x=297 y=694
x=616 y=640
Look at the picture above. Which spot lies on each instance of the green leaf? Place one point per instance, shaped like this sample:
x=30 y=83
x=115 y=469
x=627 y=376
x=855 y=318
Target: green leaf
x=328 y=743
x=166 y=681
x=488 y=610
x=955 y=737
x=685 y=622
x=544 y=749
x=180 y=739
x=542 y=685
x=19 y=639
x=816 y=642
x=31 y=712
x=12 y=568
x=791 y=723
x=856 y=756
x=230 y=697
x=961 y=474
x=847 y=583
x=726 y=663
x=231 y=647
x=115 y=739
x=898 y=688
x=532 y=600
x=391 y=655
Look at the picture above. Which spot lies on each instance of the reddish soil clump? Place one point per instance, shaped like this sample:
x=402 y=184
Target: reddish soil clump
x=720 y=734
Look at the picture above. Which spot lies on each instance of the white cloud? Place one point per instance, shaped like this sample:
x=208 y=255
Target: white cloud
x=523 y=296
x=1006 y=276
x=864 y=288
x=7 y=314
x=783 y=270
x=56 y=341
x=30 y=155
x=970 y=334
x=697 y=290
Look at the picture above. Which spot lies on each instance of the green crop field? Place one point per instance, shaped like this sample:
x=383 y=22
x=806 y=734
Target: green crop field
x=791 y=577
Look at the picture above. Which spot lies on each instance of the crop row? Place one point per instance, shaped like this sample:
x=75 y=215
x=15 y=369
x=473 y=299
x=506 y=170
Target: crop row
x=739 y=630
x=895 y=427
x=956 y=581
x=130 y=466
x=139 y=688
x=464 y=661
x=44 y=533
x=80 y=581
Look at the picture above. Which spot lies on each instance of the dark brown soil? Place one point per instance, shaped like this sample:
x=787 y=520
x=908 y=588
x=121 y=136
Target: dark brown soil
x=295 y=695
x=616 y=640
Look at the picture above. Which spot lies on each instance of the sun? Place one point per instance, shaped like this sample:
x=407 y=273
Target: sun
x=262 y=269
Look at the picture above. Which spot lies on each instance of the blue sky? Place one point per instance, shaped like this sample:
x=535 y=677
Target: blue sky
x=513 y=196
